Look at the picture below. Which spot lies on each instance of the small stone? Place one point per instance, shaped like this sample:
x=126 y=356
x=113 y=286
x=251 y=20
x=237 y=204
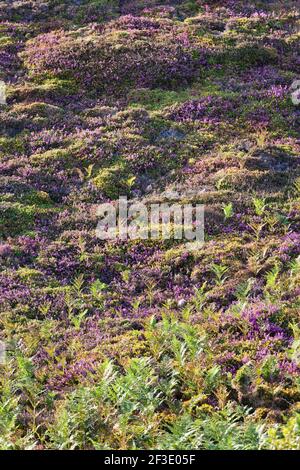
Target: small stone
x=149 y=188
x=171 y=134
x=181 y=303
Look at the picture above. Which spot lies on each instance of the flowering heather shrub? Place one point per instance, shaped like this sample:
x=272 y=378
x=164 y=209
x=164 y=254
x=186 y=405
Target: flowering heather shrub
x=111 y=61
x=84 y=11
x=145 y=344
x=130 y=22
x=208 y=108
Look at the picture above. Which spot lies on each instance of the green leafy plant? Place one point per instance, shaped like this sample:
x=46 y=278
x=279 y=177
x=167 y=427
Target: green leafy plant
x=228 y=210
x=220 y=271
x=271 y=277
x=260 y=206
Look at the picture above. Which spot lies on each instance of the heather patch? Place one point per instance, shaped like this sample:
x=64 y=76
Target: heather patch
x=113 y=60
x=144 y=343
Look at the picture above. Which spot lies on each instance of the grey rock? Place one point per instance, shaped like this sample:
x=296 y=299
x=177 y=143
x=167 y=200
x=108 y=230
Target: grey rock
x=181 y=303
x=171 y=134
x=149 y=188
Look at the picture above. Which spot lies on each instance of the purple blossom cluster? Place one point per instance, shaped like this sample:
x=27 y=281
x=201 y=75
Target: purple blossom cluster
x=143 y=99
x=105 y=62
x=208 y=109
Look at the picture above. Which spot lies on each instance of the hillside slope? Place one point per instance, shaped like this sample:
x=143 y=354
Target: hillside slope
x=144 y=344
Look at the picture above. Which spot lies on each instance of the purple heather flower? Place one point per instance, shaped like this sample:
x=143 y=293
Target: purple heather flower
x=5 y=250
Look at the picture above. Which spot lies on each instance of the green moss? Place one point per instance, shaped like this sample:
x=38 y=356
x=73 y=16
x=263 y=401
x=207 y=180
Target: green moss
x=103 y=9
x=59 y=86
x=190 y=7
x=248 y=26
x=42 y=89
x=157 y=99
x=61 y=155
x=38 y=109
x=16 y=219
x=37 y=198
x=6 y=41
x=113 y=181
x=11 y=145
x=244 y=57
x=256 y=26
